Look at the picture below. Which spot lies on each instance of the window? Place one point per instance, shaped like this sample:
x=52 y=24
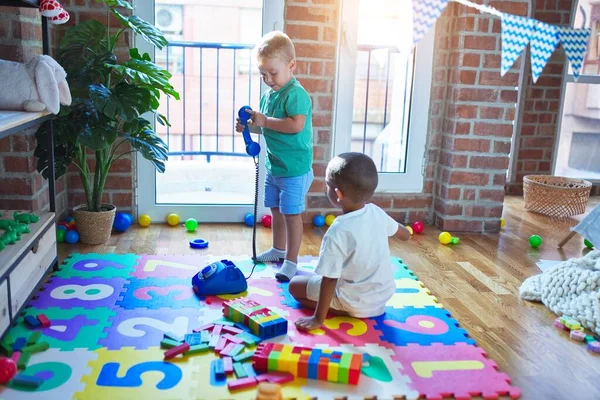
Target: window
x=384 y=114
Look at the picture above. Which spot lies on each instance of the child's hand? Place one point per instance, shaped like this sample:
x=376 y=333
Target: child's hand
x=308 y=323
x=258 y=119
x=238 y=125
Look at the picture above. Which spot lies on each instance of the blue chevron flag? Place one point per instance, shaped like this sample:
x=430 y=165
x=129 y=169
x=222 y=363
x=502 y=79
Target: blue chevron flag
x=575 y=42
x=425 y=13
x=516 y=33
x=543 y=43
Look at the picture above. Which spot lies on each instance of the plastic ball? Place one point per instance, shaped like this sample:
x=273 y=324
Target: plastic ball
x=191 y=225
x=455 y=240
x=410 y=230
x=535 y=241
x=72 y=227
x=266 y=220
x=173 y=219
x=318 y=221
x=122 y=222
x=329 y=219
x=72 y=237
x=61 y=228
x=144 y=220
x=72 y=223
x=249 y=219
x=65 y=224
x=69 y=219
x=8 y=369
x=418 y=227
x=502 y=222
x=60 y=235
x=588 y=244
x=445 y=238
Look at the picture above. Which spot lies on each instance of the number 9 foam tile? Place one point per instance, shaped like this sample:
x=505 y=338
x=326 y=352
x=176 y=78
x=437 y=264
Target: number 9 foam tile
x=93 y=265
x=79 y=292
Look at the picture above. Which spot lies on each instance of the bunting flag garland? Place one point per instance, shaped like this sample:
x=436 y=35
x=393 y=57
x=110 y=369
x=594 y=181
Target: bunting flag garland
x=516 y=33
x=575 y=42
x=425 y=13
x=543 y=44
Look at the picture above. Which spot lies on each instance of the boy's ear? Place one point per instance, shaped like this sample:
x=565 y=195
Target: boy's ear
x=339 y=194
x=292 y=65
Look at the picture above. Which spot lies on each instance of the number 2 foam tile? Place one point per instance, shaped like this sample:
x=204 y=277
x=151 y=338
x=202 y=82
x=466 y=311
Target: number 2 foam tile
x=93 y=265
x=460 y=370
x=142 y=328
x=138 y=374
x=170 y=266
x=79 y=292
x=412 y=293
x=61 y=371
x=158 y=293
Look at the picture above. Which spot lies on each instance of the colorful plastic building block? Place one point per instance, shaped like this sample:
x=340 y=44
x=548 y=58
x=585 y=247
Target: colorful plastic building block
x=44 y=321
x=217 y=330
x=243 y=383
x=243 y=356
x=232 y=329
x=32 y=322
x=275 y=377
x=263 y=322
x=204 y=328
x=199 y=348
x=193 y=339
x=37 y=347
x=577 y=335
x=173 y=336
x=224 y=322
x=233 y=339
x=232 y=349
x=594 y=347
x=219 y=368
x=221 y=344
x=169 y=343
x=560 y=325
x=205 y=336
x=27 y=381
x=240 y=371
x=214 y=340
x=19 y=343
x=23 y=360
x=34 y=337
x=175 y=351
x=228 y=365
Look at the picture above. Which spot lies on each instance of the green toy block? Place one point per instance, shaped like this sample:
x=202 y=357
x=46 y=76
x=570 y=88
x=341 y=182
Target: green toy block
x=37 y=348
x=344 y=371
x=8 y=339
x=205 y=336
x=240 y=371
x=589 y=338
x=273 y=361
x=169 y=343
x=197 y=349
x=243 y=356
x=23 y=360
x=34 y=337
x=6 y=348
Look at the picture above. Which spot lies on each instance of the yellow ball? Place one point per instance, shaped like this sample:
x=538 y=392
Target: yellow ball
x=410 y=230
x=144 y=220
x=502 y=222
x=173 y=219
x=445 y=238
x=329 y=219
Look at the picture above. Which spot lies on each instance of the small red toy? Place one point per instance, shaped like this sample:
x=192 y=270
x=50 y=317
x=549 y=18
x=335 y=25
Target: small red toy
x=175 y=351
x=266 y=221
x=418 y=227
x=8 y=369
x=44 y=321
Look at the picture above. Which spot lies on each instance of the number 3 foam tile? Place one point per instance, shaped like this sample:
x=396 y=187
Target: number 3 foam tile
x=424 y=326
x=71 y=329
x=158 y=293
x=170 y=266
x=412 y=293
x=461 y=370
x=79 y=292
x=138 y=374
x=93 y=265
x=61 y=371
x=143 y=328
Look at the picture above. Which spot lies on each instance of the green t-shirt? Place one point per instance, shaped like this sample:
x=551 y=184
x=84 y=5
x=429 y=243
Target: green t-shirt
x=288 y=154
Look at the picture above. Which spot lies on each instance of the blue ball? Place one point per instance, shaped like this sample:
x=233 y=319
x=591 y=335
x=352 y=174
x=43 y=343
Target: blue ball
x=319 y=221
x=72 y=237
x=249 y=219
x=62 y=227
x=122 y=222
x=69 y=219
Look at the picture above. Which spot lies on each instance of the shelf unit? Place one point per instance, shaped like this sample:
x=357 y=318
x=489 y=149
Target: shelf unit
x=23 y=265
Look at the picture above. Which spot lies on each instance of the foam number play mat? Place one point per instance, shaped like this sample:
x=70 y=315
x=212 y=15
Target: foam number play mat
x=110 y=326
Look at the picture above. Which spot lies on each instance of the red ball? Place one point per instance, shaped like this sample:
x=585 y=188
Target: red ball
x=71 y=228
x=266 y=221
x=8 y=369
x=418 y=227
x=65 y=224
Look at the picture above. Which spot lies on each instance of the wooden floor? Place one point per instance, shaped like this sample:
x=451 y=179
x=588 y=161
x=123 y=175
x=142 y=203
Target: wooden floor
x=477 y=281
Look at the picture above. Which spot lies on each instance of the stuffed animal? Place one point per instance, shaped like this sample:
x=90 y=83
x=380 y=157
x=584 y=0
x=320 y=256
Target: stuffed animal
x=39 y=85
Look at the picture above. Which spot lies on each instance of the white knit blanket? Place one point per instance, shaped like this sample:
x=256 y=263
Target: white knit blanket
x=571 y=288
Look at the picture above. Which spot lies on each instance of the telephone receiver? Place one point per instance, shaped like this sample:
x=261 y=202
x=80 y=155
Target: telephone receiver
x=252 y=148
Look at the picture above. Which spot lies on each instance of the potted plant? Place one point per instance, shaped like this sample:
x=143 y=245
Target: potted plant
x=104 y=121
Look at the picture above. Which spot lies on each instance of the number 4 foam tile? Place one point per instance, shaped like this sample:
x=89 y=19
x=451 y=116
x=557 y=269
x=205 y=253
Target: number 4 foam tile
x=412 y=293
x=93 y=265
x=61 y=371
x=460 y=370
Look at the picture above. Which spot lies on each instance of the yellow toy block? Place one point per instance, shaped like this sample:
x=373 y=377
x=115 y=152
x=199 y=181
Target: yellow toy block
x=333 y=369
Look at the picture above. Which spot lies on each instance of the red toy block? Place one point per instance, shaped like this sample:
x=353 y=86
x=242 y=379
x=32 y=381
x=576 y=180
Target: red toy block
x=204 y=327
x=217 y=330
x=221 y=344
x=228 y=365
x=15 y=356
x=242 y=383
x=354 y=372
x=175 y=351
x=276 y=377
x=232 y=329
x=232 y=338
x=44 y=321
x=226 y=351
x=322 y=369
x=303 y=367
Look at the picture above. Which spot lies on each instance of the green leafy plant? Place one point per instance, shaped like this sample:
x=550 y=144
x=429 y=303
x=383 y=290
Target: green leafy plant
x=109 y=99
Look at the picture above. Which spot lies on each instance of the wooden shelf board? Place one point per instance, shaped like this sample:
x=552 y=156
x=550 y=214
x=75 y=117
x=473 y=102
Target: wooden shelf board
x=20 y=3
x=10 y=121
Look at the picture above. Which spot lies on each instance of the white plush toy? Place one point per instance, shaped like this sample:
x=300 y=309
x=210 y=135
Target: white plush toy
x=36 y=86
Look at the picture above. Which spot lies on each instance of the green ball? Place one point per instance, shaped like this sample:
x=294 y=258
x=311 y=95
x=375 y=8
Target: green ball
x=191 y=225
x=60 y=235
x=588 y=244
x=535 y=241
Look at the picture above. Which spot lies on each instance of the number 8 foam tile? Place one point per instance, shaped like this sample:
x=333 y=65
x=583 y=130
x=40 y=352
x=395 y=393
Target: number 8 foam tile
x=460 y=370
x=93 y=265
x=170 y=266
x=79 y=292
x=412 y=293
x=158 y=293
x=61 y=371
x=137 y=374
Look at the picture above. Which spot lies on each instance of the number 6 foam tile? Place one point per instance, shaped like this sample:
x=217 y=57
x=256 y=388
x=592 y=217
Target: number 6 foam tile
x=158 y=293
x=412 y=293
x=79 y=292
x=93 y=265
x=170 y=266
x=460 y=370
x=138 y=374
x=61 y=371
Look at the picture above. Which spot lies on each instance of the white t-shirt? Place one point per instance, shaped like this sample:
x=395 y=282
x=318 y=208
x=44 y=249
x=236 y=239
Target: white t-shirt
x=355 y=250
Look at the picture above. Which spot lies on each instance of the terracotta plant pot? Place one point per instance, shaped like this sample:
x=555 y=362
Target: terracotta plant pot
x=94 y=227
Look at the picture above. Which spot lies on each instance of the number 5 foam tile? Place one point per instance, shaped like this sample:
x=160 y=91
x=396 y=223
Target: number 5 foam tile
x=424 y=326
x=170 y=266
x=93 y=265
x=138 y=374
x=461 y=370
x=412 y=293
x=143 y=328
x=158 y=293
x=61 y=371
x=79 y=292
x=71 y=329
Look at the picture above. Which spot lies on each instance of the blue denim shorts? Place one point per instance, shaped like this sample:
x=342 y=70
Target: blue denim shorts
x=289 y=194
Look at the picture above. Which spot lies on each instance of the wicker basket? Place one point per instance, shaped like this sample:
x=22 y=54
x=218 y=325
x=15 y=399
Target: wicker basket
x=94 y=227
x=555 y=196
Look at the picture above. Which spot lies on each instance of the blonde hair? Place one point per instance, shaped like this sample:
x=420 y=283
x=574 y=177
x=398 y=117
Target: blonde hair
x=276 y=44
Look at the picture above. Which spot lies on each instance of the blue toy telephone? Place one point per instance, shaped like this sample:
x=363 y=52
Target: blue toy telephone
x=252 y=148
x=221 y=277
